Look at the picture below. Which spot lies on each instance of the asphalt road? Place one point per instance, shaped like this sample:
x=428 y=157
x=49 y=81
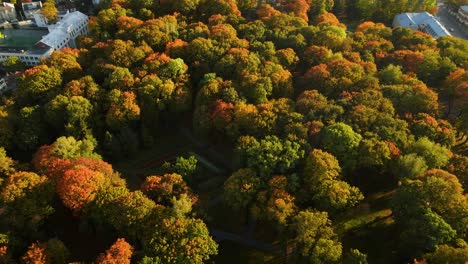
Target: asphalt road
x=450 y=22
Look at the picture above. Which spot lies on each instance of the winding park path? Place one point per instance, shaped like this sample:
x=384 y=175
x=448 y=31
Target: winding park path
x=208 y=156
x=220 y=235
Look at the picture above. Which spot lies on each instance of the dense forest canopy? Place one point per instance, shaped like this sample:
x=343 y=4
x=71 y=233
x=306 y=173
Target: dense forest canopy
x=316 y=121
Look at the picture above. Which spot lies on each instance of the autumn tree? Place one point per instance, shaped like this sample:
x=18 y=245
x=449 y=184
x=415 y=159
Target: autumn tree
x=49 y=11
x=53 y=159
x=123 y=109
x=37 y=84
x=119 y=252
x=298 y=7
x=35 y=254
x=275 y=204
x=78 y=186
x=457 y=91
x=51 y=252
x=163 y=188
x=26 y=198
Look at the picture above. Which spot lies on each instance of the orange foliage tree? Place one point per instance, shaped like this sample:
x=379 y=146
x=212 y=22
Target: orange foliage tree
x=78 y=187
x=119 y=253
x=36 y=254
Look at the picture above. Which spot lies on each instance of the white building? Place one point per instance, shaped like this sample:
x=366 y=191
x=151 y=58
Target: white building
x=30 y=57
x=64 y=33
x=423 y=21
x=7 y=12
x=60 y=35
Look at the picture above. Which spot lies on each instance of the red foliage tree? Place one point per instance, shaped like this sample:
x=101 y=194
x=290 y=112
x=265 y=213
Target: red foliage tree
x=299 y=8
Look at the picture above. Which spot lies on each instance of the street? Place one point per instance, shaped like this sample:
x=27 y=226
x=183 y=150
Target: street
x=450 y=22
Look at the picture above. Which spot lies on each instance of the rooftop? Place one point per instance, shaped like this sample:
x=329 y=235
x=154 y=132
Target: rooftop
x=421 y=21
x=59 y=31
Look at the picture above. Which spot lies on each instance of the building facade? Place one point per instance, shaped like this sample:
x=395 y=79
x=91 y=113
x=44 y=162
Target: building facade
x=462 y=15
x=7 y=12
x=29 y=57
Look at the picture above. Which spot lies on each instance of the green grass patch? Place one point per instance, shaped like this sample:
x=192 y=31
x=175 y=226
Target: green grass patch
x=361 y=221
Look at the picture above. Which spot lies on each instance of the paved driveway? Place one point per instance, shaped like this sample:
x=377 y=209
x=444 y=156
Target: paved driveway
x=450 y=22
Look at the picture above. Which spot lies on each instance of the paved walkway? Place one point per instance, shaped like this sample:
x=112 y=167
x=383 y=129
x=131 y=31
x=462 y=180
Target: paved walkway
x=220 y=235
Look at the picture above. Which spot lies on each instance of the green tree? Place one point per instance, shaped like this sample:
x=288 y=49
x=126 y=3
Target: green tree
x=128 y=212
x=13 y=64
x=429 y=210
x=435 y=155
x=178 y=240
x=341 y=141
x=336 y=195
x=320 y=166
x=410 y=166
x=30 y=132
x=449 y=254
x=268 y=155
x=426 y=231
x=6 y=165
x=317 y=242
x=354 y=256
x=185 y=166
x=240 y=188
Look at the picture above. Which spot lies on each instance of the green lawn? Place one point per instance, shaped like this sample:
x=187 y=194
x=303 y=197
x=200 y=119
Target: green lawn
x=20 y=37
